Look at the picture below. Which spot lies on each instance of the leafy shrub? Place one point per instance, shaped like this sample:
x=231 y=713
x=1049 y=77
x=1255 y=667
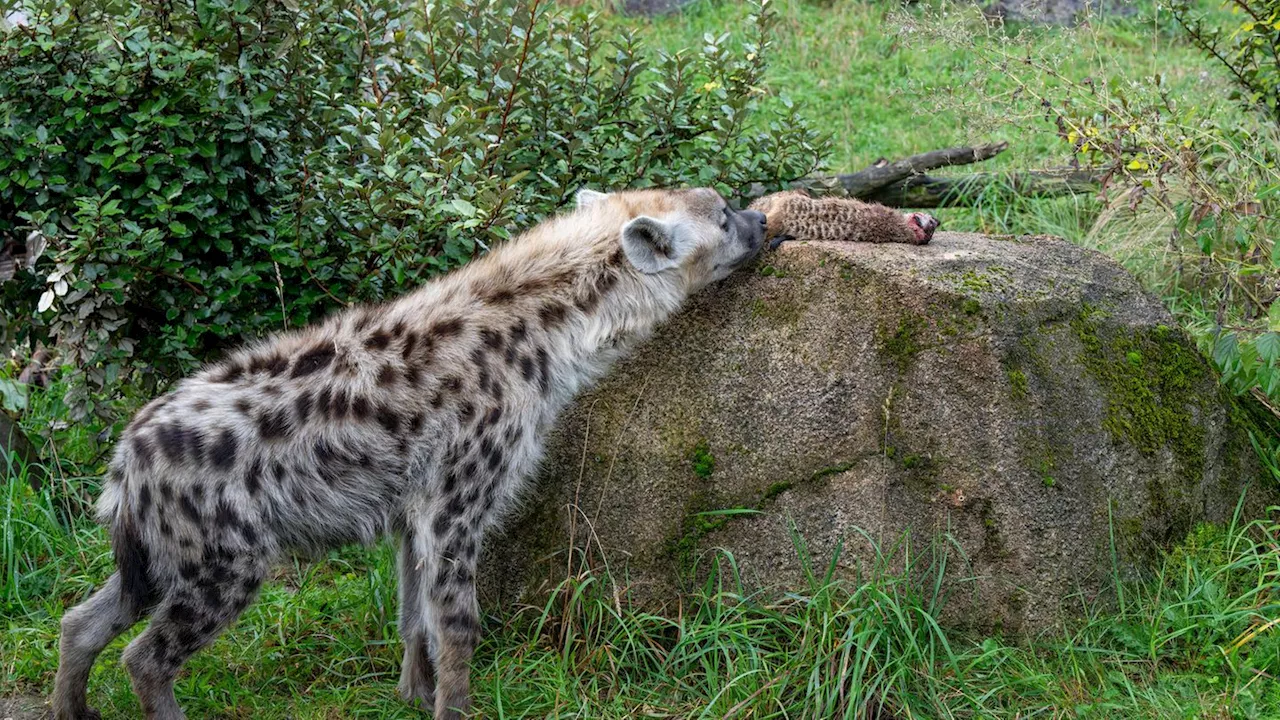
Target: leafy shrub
x=1189 y=191
x=230 y=167
x=1249 y=49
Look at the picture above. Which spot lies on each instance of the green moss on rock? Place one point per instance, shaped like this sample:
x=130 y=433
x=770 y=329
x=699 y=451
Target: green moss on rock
x=1151 y=381
x=784 y=311
x=704 y=463
x=683 y=547
x=1018 y=383
x=899 y=346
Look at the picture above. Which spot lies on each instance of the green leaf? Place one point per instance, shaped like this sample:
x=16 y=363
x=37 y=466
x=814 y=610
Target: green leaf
x=1226 y=351
x=13 y=397
x=1268 y=347
x=463 y=208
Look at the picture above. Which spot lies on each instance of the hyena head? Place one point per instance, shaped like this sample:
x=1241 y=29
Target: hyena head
x=693 y=235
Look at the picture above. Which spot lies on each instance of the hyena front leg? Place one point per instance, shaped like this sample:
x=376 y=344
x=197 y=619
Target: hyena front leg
x=418 y=672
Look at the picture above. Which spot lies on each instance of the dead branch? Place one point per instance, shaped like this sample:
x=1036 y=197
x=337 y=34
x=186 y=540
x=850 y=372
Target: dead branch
x=905 y=184
x=927 y=191
x=14 y=443
x=884 y=173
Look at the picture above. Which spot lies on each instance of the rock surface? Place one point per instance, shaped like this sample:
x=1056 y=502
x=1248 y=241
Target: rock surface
x=1057 y=12
x=1021 y=394
x=653 y=8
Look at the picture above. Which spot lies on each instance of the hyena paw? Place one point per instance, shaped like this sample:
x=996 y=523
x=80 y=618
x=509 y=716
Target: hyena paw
x=418 y=695
x=923 y=225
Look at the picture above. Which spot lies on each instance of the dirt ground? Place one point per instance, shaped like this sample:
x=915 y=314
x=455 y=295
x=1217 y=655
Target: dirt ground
x=23 y=707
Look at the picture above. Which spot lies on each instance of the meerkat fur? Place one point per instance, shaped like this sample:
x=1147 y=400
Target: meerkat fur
x=794 y=215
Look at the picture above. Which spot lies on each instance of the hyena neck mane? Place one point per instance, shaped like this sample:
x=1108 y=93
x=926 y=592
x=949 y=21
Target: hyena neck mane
x=571 y=279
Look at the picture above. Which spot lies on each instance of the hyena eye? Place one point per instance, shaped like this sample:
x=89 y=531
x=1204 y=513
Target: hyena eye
x=724 y=219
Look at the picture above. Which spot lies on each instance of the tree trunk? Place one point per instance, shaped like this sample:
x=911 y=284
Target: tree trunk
x=16 y=448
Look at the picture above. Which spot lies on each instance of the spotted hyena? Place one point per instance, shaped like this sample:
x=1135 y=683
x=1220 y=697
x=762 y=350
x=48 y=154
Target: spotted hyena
x=794 y=215
x=420 y=418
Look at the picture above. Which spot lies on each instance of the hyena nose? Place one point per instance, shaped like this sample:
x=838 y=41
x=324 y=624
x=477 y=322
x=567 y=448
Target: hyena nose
x=754 y=216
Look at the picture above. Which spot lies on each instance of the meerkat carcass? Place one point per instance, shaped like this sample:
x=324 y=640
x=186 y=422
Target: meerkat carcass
x=794 y=215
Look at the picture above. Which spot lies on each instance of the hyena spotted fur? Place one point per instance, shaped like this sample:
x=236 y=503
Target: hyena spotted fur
x=794 y=215
x=420 y=419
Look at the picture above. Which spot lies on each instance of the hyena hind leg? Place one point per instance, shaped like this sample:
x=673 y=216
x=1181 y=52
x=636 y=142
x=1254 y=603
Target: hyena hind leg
x=455 y=619
x=86 y=629
x=188 y=619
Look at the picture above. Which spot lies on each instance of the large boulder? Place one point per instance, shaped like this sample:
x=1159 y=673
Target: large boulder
x=1057 y=12
x=1022 y=395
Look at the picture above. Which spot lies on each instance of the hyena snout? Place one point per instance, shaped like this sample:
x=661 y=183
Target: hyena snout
x=751 y=227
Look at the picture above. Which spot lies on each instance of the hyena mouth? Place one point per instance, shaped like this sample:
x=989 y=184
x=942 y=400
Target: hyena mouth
x=753 y=224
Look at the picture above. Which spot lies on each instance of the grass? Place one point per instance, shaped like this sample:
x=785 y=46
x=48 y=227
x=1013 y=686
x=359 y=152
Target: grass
x=888 y=82
x=1195 y=639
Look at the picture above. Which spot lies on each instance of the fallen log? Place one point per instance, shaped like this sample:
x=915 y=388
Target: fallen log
x=905 y=183
x=884 y=173
x=928 y=191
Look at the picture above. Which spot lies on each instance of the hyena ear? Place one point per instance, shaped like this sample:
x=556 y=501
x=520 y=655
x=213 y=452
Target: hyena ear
x=587 y=197
x=649 y=244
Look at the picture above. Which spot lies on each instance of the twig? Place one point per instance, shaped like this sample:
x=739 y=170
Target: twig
x=886 y=173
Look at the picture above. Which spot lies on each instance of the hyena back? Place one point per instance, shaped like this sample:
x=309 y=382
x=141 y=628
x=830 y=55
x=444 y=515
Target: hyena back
x=420 y=419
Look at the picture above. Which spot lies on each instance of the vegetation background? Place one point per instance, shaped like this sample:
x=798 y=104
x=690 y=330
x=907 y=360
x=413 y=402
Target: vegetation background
x=182 y=176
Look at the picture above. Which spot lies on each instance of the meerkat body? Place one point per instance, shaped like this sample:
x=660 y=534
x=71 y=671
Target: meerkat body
x=794 y=215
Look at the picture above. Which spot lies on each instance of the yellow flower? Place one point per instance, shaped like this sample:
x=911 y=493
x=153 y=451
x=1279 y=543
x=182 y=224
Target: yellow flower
x=710 y=86
x=1084 y=148
x=1247 y=27
x=1091 y=131
x=1072 y=137
x=1136 y=164
x=1187 y=143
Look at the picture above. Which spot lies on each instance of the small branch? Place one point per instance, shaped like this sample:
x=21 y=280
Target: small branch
x=36 y=372
x=883 y=174
x=925 y=191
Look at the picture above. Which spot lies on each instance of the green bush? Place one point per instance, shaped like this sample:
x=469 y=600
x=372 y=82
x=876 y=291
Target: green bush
x=1248 y=48
x=225 y=168
x=1196 y=185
